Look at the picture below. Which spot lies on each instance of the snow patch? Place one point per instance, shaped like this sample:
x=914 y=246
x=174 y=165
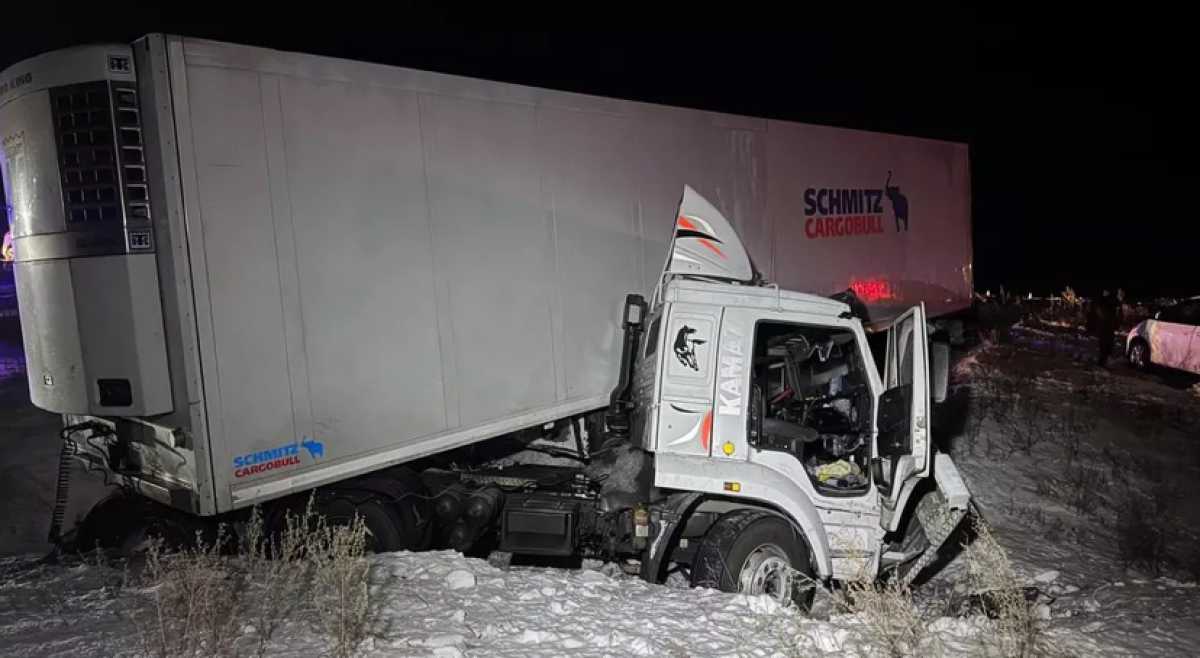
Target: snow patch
x=1046 y=577
x=460 y=579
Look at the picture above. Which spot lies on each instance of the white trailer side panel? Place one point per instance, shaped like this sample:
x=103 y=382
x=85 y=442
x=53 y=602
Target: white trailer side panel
x=247 y=372
x=355 y=190
x=400 y=262
x=494 y=245
x=928 y=258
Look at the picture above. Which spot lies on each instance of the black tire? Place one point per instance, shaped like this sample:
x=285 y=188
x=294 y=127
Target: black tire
x=395 y=507
x=125 y=523
x=385 y=532
x=409 y=500
x=1139 y=354
x=724 y=558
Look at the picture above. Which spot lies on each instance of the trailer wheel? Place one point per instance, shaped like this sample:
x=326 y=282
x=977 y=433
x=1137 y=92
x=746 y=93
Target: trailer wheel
x=408 y=499
x=125 y=524
x=755 y=552
x=384 y=528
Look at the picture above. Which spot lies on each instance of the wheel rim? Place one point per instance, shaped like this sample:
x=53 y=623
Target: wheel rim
x=767 y=570
x=1137 y=354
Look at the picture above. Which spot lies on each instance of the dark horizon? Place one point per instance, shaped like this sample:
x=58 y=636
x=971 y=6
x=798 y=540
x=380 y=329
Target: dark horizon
x=1080 y=150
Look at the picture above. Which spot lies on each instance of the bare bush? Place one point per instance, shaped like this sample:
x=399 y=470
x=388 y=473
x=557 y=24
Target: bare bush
x=338 y=559
x=1006 y=394
x=1025 y=426
x=889 y=614
x=1076 y=425
x=1001 y=594
x=1083 y=486
x=202 y=601
x=195 y=597
x=281 y=579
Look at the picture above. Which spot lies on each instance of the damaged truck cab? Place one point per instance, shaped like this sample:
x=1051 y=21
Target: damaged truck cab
x=761 y=405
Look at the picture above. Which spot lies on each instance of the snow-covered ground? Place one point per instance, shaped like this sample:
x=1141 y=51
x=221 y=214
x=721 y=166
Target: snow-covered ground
x=1082 y=470
x=1055 y=451
x=443 y=604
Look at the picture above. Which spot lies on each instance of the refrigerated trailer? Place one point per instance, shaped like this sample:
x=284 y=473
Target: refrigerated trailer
x=245 y=275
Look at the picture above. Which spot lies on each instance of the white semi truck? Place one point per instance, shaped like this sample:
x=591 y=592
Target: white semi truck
x=246 y=276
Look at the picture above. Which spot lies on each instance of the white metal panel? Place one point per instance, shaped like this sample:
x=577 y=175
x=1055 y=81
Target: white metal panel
x=891 y=264
x=705 y=244
x=162 y=156
x=205 y=412
x=593 y=197
x=755 y=171
x=121 y=330
x=735 y=363
x=357 y=198
x=768 y=479
x=688 y=353
x=494 y=247
x=55 y=349
x=288 y=257
x=684 y=150
x=235 y=215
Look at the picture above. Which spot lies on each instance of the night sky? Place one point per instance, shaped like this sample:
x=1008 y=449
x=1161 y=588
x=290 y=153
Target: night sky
x=1082 y=126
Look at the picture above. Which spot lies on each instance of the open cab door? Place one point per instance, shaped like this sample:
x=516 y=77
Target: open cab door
x=904 y=452
x=903 y=448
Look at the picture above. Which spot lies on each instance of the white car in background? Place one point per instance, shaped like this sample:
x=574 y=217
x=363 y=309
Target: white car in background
x=1170 y=339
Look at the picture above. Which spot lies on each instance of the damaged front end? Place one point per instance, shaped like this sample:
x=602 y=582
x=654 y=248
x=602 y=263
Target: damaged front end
x=934 y=518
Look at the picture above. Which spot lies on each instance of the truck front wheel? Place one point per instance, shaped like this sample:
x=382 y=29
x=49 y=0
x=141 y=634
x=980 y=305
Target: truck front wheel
x=755 y=552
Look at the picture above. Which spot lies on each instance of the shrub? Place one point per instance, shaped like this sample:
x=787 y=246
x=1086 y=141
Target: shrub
x=1001 y=595
x=195 y=597
x=337 y=556
x=203 y=601
x=889 y=614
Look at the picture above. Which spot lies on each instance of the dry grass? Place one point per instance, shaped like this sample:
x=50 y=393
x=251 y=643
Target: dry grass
x=206 y=601
x=194 y=597
x=891 y=618
x=1017 y=631
x=342 y=602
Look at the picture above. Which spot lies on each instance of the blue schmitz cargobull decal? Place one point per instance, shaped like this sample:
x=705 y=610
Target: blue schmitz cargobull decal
x=285 y=456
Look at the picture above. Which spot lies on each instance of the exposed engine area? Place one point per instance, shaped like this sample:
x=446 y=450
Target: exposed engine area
x=811 y=399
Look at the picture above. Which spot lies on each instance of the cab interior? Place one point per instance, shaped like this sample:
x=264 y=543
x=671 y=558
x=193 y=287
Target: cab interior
x=811 y=398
